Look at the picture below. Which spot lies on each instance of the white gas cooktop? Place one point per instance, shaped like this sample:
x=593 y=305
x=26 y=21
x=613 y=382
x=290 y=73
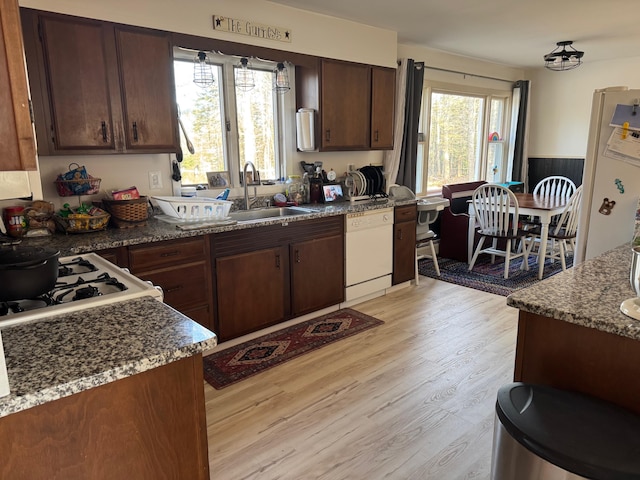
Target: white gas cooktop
x=84 y=281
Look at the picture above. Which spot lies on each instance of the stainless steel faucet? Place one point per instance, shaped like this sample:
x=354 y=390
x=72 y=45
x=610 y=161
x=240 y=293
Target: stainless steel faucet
x=248 y=202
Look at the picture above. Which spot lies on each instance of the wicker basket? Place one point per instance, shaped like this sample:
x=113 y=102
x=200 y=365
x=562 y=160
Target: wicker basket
x=82 y=186
x=77 y=223
x=128 y=213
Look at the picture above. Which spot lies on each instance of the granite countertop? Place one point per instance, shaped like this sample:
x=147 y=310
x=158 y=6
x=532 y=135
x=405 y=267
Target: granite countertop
x=157 y=230
x=66 y=354
x=588 y=294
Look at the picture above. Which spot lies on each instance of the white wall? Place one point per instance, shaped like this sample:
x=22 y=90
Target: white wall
x=477 y=68
x=561 y=104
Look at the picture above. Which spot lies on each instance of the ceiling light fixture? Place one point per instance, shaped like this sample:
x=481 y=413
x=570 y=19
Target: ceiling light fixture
x=281 y=78
x=563 y=57
x=202 y=71
x=244 y=75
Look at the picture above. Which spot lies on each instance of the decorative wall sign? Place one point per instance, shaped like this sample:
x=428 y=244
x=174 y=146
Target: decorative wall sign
x=251 y=29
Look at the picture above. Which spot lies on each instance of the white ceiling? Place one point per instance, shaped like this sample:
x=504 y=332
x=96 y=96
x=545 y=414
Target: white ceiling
x=512 y=32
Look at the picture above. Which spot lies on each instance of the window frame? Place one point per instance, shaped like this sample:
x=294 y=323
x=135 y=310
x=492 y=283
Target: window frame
x=480 y=169
x=231 y=139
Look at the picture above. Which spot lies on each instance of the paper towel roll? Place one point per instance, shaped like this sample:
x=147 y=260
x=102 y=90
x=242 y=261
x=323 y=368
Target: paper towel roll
x=305 y=129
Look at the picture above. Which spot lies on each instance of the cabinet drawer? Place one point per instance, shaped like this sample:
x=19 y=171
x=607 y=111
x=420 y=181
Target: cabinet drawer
x=406 y=213
x=182 y=286
x=152 y=256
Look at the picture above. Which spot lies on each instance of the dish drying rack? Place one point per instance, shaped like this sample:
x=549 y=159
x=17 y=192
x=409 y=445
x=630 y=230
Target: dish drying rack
x=365 y=184
x=369 y=198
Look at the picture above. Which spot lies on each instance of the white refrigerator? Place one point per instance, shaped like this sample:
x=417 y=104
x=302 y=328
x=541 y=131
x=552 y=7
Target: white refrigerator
x=611 y=173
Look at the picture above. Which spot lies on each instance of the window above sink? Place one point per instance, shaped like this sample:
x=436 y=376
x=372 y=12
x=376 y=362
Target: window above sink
x=226 y=124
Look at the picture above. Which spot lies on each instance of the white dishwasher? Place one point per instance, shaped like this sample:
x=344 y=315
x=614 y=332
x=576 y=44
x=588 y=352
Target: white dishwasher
x=368 y=252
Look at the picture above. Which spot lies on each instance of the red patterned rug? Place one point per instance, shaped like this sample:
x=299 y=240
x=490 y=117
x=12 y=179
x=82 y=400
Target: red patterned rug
x=233 y=364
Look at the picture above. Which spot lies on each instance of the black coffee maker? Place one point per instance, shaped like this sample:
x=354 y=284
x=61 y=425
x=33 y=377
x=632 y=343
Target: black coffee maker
x=315 y=190
x=317 y=178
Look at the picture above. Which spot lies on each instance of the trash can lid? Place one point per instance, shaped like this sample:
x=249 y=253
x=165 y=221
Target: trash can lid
x=581 y=434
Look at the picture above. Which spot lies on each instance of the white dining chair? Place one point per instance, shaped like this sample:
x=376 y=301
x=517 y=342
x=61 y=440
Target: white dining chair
x=555 y=186
x=548 y=187
x=562 y=236
x=496 y=211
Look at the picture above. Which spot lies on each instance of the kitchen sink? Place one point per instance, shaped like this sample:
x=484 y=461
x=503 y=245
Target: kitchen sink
x=262 y=213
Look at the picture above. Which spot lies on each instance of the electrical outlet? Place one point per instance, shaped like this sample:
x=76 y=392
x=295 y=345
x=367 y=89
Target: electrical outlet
x=351 y=167
x=155 y=180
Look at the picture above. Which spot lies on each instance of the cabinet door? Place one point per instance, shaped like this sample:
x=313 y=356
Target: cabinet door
x=317 y=274
x=148 y=93
x=383 y=88
x=75 y=54
x=404 y=252
x=183 y=270
x=346 y=106
x=16 y=130
x=184 y=287
x=252 y=290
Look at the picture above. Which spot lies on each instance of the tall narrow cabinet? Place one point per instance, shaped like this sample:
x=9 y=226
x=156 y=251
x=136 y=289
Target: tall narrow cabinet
x=16 y=129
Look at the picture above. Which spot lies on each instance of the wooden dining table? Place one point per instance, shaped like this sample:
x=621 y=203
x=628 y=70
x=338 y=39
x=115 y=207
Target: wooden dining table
x=544 y=208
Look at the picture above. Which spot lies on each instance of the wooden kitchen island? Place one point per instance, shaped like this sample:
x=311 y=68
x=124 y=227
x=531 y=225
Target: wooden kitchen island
x=110 y=392
x=572 y=335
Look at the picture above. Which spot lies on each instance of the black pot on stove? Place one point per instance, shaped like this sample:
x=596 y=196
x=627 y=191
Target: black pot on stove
x=27 y=272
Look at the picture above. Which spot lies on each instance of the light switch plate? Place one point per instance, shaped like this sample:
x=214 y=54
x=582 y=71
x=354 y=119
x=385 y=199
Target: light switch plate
x=155 y=180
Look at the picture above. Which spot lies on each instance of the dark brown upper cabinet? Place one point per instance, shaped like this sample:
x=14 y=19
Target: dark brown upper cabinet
x=16 y=129
x=100 y=87
x=355 y=104
x=383 y=87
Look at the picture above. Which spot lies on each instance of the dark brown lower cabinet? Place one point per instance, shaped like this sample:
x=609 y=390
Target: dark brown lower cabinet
x=180 y=267
x=251 y=291
x=147 y=426
x=317 y=278
x=267 y=275
x=404 y=244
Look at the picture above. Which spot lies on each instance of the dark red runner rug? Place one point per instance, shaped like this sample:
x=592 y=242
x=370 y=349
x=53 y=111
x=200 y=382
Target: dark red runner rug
x=233 y=364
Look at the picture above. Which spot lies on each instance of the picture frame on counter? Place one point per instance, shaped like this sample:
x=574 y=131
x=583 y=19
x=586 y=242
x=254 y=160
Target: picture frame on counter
x=219 y=179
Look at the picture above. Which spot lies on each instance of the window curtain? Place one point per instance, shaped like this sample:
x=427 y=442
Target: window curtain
x=520 y=134
x=400 y=163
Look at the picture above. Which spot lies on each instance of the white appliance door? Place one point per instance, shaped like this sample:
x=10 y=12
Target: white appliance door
x=611 y=186
x=369 y=254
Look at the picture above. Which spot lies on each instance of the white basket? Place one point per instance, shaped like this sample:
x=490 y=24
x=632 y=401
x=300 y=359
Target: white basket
x=194 y=208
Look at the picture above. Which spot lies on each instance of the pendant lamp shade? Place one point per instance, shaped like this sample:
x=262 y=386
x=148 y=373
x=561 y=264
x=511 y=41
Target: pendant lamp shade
x=202 y=70
x=244 y=75
x=281 y=78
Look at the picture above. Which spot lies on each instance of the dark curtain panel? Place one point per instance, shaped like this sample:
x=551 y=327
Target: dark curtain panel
x=519 y=150
x=409 y=152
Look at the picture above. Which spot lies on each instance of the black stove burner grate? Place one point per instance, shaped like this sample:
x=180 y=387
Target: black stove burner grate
x=75 y=266
x=8 y=308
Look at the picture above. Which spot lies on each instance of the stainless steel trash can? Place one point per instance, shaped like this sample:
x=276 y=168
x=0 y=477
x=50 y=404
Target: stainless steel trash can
x=542 y=433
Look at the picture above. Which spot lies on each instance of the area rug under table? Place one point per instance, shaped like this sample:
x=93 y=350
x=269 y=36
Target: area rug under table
x=233 y=364
x=488 y=277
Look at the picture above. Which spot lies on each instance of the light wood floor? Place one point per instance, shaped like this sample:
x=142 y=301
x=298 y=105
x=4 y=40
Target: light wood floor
x=411 y=399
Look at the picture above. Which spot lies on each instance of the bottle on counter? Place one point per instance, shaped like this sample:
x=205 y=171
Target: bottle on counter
x=305 y=188
x=15 y=221
x=294 y=189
